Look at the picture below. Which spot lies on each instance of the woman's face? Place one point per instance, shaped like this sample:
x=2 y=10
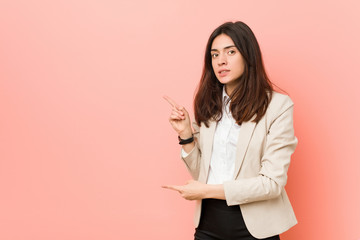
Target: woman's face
x=227 y=62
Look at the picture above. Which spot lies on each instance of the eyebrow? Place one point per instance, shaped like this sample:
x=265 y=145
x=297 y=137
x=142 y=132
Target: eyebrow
x=224 y=48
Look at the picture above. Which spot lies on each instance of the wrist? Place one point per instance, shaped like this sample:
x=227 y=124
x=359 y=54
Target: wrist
x=207 y=191
x=186 y=141
x=185 y=134
x=215 y=191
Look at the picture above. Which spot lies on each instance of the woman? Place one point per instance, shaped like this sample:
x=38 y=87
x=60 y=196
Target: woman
x=239 y=150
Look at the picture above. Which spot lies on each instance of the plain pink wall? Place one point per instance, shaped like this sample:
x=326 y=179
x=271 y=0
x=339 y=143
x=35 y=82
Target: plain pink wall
x=85 y=143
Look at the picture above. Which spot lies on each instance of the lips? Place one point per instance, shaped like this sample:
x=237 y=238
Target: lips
x=223 y=72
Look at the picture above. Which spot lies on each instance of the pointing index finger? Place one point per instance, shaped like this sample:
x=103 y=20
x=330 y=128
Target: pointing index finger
x=172 y=187
x=172 y=102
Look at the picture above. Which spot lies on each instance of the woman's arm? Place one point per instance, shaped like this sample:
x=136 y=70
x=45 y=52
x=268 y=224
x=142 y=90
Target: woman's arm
x=180 y=121
x=194 y=190
x=191 y=154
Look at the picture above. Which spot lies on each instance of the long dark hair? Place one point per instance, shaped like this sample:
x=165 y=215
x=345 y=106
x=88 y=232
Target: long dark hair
x=251 y=96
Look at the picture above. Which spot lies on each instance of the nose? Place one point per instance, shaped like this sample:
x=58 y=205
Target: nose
x=222 y=60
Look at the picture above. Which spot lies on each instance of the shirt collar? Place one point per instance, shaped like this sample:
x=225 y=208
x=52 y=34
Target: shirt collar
x=226 y=101
x=225 y=96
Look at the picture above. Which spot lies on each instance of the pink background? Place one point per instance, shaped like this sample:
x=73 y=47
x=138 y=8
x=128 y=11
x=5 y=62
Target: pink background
x=85 y=142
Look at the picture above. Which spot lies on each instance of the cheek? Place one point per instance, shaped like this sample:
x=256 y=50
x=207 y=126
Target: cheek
x=242 y=69
x=241 y=66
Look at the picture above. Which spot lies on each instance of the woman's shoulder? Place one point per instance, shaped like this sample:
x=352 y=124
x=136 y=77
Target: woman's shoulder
x=279 y=103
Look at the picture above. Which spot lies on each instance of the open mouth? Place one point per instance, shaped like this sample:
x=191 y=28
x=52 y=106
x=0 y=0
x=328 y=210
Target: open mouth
x=223 y=72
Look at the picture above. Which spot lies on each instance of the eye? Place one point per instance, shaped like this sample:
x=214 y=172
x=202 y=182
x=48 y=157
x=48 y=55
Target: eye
x=214 y=55
x=231 y=52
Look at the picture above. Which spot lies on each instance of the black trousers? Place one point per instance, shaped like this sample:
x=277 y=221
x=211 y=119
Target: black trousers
x=222 y=222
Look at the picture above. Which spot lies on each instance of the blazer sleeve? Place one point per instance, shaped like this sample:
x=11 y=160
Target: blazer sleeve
x=280 y=144
x=192 y=159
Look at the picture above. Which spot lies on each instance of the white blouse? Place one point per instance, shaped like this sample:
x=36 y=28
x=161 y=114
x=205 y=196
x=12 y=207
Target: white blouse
x=222 y=163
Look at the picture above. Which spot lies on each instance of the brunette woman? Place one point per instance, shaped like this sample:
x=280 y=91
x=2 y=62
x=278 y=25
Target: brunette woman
x=239 y=149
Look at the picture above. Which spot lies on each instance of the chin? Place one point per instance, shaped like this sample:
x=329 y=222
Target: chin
x=224 y=81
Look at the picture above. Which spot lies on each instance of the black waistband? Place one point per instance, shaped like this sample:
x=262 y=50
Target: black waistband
x=218 y=204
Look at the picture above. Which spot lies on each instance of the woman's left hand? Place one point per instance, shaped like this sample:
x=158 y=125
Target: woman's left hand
x=193 y=190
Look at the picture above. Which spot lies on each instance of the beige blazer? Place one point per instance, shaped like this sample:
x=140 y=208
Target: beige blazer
x=262 y=161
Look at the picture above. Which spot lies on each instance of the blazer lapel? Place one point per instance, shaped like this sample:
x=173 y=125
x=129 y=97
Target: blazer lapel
x=208 y=138
x=246 y=132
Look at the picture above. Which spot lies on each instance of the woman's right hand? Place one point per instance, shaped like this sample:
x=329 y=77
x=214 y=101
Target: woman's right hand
x=179 y=119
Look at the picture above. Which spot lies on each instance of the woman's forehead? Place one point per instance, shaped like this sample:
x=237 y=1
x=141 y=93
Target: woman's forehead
x=221 y=42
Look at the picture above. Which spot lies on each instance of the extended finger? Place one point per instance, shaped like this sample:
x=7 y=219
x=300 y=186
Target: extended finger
x=172 y=102
x=172 y=187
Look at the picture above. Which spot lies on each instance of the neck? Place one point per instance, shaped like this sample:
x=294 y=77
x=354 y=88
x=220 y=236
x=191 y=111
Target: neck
x=229 y=89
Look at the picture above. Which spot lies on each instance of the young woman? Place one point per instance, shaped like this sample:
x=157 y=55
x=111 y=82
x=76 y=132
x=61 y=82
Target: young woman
x=239 y=150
